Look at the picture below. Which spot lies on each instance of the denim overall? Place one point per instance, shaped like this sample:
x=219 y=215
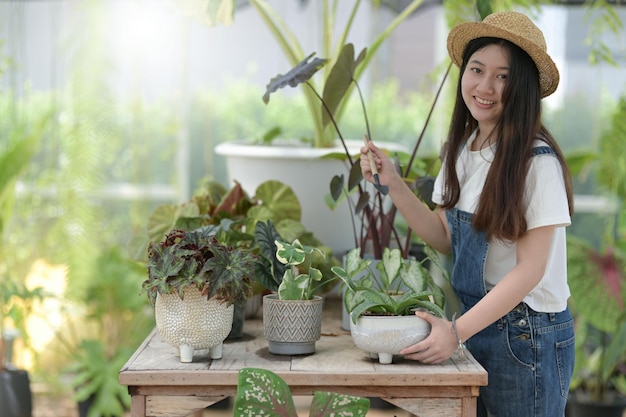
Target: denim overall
x=529 y=356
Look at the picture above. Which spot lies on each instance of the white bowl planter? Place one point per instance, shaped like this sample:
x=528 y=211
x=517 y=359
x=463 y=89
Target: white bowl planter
x=292 y=327
x=386 y=336
x=193 y=323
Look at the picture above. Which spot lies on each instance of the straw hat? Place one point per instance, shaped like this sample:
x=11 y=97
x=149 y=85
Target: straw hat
x=516 y=28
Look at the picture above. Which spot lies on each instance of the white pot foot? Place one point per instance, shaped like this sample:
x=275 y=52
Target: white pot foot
x=186 y=353
x=385 y=358
x=216 y=351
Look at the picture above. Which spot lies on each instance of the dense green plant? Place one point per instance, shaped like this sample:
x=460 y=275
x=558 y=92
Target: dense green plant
x=598 y=285
x=596 y=276
x=96 y=379
x=113 y=323
x=400 y=286
x=231 y=215
x=196 y=258
x=262 y=392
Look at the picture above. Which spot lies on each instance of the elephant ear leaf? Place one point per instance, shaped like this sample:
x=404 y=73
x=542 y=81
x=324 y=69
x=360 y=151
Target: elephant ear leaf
x=339 y=79
x=301 y=73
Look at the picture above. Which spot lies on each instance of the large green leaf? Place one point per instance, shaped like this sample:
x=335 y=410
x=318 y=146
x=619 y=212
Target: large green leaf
x=261 y=392
x=339 y=80
x=593 y=296
x=280 y=199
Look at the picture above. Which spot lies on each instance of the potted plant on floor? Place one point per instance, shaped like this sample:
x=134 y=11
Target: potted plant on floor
x=193 y=282
x=100 y=341
x=292 y=314
x=598 y=285
x=19 y=146
x=598 y=288
x=382 y=305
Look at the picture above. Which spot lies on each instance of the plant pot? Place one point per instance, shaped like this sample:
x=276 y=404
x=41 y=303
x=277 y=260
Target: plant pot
x=292 y=327
x=251 y=165
x=386 y=336
x=15 y=393
x=578 y=405
x=193 y=323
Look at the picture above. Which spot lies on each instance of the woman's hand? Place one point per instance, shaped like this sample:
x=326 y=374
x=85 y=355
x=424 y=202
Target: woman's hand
x=384 y=165
x=440 y=344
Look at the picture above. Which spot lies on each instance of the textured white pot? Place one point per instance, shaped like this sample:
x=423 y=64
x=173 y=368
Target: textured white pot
x=193 y=323
x=386 y=336
x=292 y=327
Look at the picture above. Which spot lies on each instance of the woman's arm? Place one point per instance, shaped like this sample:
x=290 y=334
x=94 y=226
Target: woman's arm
x=533 y=250
x=429 y=225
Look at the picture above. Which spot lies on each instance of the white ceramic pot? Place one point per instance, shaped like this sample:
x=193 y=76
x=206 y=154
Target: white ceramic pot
x=386 y=336
x=193 y=323
x=292 y=327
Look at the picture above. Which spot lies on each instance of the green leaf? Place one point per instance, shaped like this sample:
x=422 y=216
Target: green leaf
x=262 y=392
x=390 y=266
x=339 y=80
x=330 y=404
x=293 y=254
x=301 y=73
x=484 y=8
x=293 y=287
x=280 y=199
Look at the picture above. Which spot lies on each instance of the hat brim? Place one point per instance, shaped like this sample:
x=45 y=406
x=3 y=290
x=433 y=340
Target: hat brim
x=463 y=33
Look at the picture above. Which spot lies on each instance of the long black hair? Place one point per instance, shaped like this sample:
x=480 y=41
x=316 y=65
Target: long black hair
x=501 y=211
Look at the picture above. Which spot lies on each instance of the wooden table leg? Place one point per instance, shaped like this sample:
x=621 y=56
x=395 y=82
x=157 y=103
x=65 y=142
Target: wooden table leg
x=138 y=406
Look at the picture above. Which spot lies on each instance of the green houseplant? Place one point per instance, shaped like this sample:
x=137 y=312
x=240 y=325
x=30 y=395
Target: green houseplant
x=381 y=302
x=231 y=216
x=598 y=286
x=369 y=209
x=194 y=282
x=292 y=315
x=262 y=391
x=114 y=323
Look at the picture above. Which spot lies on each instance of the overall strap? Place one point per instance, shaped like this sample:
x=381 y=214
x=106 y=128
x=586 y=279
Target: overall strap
x=543 y=150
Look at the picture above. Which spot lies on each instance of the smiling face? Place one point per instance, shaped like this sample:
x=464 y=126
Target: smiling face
x=482 y=85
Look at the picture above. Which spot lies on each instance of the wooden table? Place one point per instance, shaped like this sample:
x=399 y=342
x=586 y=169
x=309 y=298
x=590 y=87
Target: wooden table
x=160 y=385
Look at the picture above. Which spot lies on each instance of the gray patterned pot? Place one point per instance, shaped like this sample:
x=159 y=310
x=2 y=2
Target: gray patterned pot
x=193 y=323
x=292 y=327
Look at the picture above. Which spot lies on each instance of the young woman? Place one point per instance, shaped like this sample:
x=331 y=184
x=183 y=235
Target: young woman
x=504 y=199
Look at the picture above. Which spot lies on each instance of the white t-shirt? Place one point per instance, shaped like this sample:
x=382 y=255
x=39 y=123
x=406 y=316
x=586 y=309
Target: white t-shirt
x=547 y=204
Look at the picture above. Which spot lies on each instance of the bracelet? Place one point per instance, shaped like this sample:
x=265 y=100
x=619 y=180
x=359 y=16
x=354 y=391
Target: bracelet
x=461 y=347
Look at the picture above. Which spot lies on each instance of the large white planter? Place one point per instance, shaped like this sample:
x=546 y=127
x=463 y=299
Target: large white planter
x=386 y=336
x=193 y=323
x=308 y=173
